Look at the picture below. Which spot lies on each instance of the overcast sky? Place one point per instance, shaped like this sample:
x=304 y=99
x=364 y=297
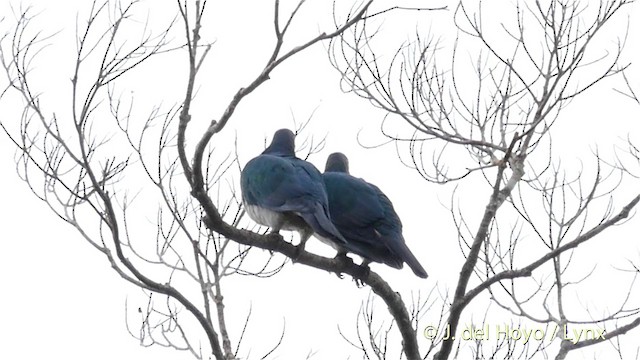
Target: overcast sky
x=62 y=299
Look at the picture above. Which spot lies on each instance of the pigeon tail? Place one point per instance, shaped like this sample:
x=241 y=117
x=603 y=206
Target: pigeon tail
x=400 y=247
x=322 y=225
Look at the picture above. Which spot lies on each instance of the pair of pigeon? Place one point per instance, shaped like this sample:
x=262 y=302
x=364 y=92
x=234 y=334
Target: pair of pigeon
x=349 y=214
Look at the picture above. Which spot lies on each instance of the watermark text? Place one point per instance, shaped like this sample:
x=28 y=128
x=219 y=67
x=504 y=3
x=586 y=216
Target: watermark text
x=517 y=333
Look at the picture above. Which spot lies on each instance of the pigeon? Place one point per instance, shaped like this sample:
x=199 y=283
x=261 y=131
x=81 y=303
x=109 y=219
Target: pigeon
x=365 y=216
x=283 y=192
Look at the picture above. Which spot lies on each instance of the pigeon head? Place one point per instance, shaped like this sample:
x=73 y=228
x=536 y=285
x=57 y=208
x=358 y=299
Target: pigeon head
x=337 y=162
x=283 y=143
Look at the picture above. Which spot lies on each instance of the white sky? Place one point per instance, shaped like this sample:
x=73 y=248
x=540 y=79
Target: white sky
x=62 y=299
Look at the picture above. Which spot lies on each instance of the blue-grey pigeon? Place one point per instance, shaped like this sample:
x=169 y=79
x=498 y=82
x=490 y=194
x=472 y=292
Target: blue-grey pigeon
x=365 y=217
x=283 y=192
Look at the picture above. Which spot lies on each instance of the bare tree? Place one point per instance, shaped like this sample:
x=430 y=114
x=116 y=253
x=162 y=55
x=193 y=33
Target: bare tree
x=485 y=122
x=491 y=120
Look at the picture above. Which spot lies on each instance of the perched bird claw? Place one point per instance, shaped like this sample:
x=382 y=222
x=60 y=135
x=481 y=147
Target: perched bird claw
x=298 y=253
x=363 y=273
x=344 y=261
x=365 y=270
x=342 y=256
